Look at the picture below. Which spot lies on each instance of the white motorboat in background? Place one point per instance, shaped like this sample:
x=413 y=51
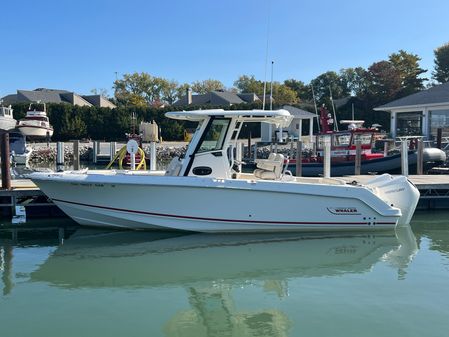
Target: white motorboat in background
x=36 y=123
x=7 y=121
x=204 y=192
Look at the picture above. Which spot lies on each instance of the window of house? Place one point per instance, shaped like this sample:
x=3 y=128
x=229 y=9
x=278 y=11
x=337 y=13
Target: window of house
x=439 y=119
x=409 y=123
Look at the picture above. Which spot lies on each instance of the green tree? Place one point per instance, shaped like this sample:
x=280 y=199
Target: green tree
x=354 y=80
x=203 y=87
x=332 y=80
x=384 y=83
x=249 y=84
x=303 y=91
x=441 y=72
x=409 y=72
x=282 y=94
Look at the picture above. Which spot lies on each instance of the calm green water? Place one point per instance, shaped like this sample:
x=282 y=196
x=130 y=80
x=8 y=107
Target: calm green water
x=101 y=283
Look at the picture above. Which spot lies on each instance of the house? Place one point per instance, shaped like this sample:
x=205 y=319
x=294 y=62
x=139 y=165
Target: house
x=422 y=113
x=57 y=96
x=216 y=98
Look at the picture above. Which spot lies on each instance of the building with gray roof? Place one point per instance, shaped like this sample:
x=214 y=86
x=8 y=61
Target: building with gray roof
x=216 y=98
x=422 y=113
x=45 y=95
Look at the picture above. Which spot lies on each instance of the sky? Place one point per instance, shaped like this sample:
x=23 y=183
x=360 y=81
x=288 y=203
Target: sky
x=83 y=45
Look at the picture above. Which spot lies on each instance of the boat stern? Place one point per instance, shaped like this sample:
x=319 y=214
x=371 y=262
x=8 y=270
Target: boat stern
x=398 y=192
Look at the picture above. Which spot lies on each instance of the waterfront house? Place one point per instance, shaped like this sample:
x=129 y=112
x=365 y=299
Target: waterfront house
x=422 y=113
x=45 y=95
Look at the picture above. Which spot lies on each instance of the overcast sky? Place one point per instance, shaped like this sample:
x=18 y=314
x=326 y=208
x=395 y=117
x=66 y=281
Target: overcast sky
x=80 y=45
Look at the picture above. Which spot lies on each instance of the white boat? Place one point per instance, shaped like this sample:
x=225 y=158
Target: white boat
x=7 y=121
x=36 y=123
x=20 y=151
x=204 y=192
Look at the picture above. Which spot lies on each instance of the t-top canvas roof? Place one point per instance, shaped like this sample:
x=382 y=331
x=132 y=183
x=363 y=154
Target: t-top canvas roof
x=281 y=117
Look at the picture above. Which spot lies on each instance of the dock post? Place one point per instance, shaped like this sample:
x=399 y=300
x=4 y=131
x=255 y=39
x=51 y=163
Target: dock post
x=404 y=157
x=76 y=155
x=420 y=157
x=94 y=152
x=152 y=156
x=439 y=137
x=59 y=156
x=255 y=152
x=386 y=146
x=133 y=161
x=299 y=158
x=6 y=162
x=358 y=157
x=249 y=145
x=327 y=158
x=112 y=150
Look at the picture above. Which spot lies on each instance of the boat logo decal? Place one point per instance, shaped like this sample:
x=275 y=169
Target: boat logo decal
x=343 y=210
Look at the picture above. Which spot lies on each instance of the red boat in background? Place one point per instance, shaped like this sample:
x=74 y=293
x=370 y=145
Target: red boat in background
x=343 y=151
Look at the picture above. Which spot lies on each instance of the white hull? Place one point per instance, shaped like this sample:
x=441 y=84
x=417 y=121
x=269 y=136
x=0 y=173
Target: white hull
x=7 y=123
x=225 y=205
x=35 y=131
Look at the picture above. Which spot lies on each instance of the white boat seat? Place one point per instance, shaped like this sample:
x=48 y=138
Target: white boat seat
x=271 y=168
x=174 y=167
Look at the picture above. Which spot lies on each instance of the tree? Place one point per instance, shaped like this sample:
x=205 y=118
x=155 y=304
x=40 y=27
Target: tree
x=409 y=72
x=142 y=89
x=203 y=87
x=384 y=82
x=282 y=94
x=327 y=80
x=354 y=80
x=249 y=84
x=100 y=91
x=303 y=91
x=441 y=72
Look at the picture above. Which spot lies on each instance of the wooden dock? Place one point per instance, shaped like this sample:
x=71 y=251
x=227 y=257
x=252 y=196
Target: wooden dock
x=434 y=191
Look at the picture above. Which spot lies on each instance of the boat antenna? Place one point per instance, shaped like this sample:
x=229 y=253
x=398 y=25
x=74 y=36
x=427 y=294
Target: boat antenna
x=266 y=59
x=271 y=87
x=316 y=110
x=333 y=108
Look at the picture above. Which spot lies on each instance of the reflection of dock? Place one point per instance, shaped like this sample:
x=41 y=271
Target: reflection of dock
x=434 y=191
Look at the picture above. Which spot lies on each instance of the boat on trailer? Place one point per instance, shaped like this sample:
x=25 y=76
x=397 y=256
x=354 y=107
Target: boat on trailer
x=204 y=191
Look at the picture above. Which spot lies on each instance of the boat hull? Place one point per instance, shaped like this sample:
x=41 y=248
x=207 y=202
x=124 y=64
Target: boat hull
x=35 y=131
x=7 y=124
x=215 y=205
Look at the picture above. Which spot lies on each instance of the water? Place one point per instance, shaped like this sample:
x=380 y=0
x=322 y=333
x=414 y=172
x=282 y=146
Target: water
x=102 y=283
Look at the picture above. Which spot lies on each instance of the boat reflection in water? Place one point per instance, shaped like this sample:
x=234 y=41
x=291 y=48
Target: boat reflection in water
x=210 y=267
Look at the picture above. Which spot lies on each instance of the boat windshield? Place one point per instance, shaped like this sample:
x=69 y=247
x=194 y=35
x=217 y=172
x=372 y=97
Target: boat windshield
x=342 y=139
x=215 y=135
x=365 y=138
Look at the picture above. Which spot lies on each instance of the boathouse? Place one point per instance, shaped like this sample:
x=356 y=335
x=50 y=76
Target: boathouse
x=422 y=113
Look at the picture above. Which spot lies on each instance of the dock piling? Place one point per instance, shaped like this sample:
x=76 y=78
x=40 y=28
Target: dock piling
x=152 y=156
x=59 y=156
x=358 y=157
x=420 y=157
x=94 y=151
x=239 y=155
x=5 y=166
x=327 y=158
x=76 y=155
x=299 y=158
x=404 y=157
x=112 y=150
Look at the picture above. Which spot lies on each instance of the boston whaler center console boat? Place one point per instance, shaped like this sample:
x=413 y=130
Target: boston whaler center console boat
x=203 y=192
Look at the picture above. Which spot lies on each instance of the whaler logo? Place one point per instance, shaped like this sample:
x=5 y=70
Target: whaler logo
x=343 y=210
